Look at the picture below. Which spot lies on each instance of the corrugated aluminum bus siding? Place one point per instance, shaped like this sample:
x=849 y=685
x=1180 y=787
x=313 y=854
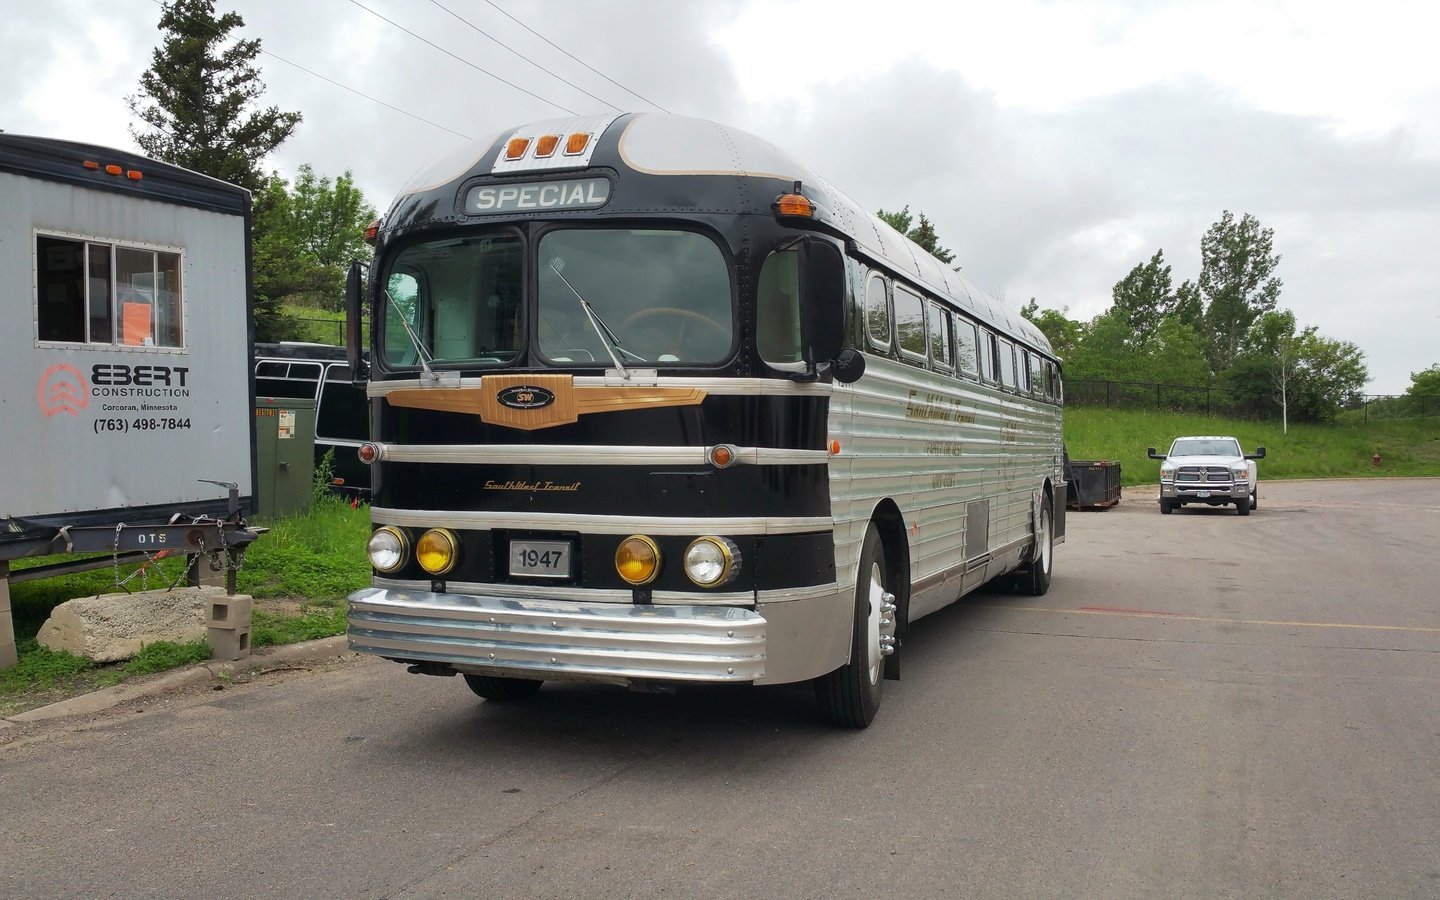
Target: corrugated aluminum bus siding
x=1000 y=447
x=80 y=469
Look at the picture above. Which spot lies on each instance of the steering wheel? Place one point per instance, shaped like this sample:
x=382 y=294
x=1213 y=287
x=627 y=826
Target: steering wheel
x=684 y=316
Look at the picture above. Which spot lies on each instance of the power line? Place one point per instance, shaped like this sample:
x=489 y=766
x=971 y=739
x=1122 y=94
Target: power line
x=464 y=60
x=515 y=52
x=215 y=31
x=574 y=57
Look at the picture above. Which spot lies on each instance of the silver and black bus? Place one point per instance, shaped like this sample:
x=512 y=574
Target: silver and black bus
x=653 y=404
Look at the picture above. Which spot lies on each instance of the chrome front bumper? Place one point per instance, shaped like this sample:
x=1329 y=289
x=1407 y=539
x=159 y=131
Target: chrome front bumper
x=529 y=638
x=1217 y=491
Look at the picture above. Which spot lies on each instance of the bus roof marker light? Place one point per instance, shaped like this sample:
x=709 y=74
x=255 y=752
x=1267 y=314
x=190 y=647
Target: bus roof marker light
x=545 y=147
x=516 y=148
x=576 y=143
x=134 y=174
x=113 y=169
x=91 y=164
x=372 y=231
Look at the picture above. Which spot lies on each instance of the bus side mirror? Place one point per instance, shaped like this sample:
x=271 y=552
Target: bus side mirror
x=354 y=344
x=822 y=302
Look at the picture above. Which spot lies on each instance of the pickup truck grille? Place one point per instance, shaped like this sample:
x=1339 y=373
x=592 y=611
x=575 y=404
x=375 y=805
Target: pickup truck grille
x=1207 y=474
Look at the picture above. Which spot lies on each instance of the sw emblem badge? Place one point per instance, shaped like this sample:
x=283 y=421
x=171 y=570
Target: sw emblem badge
x=525 y=396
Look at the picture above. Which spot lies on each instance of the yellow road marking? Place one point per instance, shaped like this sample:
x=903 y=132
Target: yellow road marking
x=1141 y=614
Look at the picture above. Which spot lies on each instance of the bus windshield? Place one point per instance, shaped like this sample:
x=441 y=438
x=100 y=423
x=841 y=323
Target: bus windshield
x=460 y=298
x=654 y=296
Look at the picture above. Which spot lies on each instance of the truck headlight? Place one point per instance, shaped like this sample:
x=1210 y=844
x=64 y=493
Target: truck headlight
x=1241 y=473
x=711 y=561
x=387 y=548
x=1167 y=471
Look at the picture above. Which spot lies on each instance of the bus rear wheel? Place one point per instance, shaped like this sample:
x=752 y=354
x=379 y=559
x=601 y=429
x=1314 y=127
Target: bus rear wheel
x=502 y=690
x=850 y=695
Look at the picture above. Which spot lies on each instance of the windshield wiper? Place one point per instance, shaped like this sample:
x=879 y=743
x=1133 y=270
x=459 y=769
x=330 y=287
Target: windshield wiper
x=420 y=352
x=607 y=337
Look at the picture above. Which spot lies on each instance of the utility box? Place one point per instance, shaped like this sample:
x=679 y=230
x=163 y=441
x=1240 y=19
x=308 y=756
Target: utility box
x=1094 y=484
x=284 y=455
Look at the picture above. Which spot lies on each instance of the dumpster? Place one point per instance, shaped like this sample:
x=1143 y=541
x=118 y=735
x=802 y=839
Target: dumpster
x=1094 y=484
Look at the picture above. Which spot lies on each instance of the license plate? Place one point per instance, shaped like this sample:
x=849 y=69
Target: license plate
x=540 y=559
x=1202 y=494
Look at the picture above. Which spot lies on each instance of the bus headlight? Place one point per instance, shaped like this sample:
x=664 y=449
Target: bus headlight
x=638 y=559
x=437 y=550
x=387 y=548
x=711 y=561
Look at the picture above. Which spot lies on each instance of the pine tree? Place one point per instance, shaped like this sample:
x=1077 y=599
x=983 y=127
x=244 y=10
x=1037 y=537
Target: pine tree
x=197 y=100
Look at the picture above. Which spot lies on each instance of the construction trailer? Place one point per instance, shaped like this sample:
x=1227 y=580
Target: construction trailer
x=126 y=322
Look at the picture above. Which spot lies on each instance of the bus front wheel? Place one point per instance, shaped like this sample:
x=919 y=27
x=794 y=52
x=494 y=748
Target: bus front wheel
x=1035 y=577
x=850 y=695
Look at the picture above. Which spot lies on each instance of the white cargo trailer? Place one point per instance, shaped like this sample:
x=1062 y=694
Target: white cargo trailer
x=125 y=335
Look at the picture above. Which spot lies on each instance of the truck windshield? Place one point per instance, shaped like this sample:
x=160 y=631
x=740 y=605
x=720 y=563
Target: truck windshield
x=460 y=299
x=660 y=297
x=1205 y=447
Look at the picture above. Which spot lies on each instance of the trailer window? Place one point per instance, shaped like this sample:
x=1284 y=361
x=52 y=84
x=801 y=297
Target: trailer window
x=93 y=292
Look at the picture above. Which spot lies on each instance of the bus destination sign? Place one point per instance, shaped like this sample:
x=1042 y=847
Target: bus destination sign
x=540 y=196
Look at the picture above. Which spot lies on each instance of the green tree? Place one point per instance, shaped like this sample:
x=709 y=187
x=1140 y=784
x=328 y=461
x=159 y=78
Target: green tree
x=1237 y=283
x=305 y=238
x=196 y=102
x=1425 y=383
x=1142 y=297
x=1061 y=331
x=922 y=233
x=1177 y=355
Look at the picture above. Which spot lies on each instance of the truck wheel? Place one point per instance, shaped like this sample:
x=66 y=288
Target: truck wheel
x=1255 y=499
x=1035 y=577
x=1166 y=506
x=850 y=695
x=1243 y=506
x=502 y=690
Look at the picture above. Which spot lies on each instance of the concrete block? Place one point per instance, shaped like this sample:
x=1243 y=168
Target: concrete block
x=229 y=611
x=113 y=627
x=228 y=643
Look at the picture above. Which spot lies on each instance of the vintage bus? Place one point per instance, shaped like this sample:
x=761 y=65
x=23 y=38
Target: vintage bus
x=653 y=404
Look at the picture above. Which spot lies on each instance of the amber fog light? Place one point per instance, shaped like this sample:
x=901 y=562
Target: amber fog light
x=387 y=548
x=437 y=551
x=712 y=561
x=638 y=559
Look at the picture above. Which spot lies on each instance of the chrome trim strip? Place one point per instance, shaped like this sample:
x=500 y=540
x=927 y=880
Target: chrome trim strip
x=596 y=524
x=573 y=594
x=715 y=386
x=589 y=455
x=539 y=639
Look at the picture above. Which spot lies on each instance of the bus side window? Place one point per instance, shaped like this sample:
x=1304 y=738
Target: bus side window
x=1037 y=376
x=1006 y=363
x=940 y=346
x=877 y=312
x=987 y=356
x=1022 y=369
x=910 y=324
x=966 y=342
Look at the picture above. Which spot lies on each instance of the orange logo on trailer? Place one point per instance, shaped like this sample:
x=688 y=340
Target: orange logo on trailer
x=62 y=390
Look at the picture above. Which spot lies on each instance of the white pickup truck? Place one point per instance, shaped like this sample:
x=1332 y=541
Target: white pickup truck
x=1208 y=469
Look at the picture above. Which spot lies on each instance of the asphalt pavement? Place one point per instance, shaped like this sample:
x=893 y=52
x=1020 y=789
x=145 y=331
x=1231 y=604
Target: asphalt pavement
x=1203 y=705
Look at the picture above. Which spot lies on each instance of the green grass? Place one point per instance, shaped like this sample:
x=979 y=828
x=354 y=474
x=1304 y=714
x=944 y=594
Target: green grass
x=304 y=566
x=1406 y=446
x=322 y=326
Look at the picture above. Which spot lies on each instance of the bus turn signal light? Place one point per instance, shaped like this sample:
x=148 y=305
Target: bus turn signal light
x=795 y=205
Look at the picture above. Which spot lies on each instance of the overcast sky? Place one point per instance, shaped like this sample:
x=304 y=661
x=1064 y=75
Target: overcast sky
x=1055 y=145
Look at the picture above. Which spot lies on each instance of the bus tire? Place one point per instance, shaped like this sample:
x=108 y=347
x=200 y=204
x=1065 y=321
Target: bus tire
x=850 y=695
x=1035 y=577
x=502 y=690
